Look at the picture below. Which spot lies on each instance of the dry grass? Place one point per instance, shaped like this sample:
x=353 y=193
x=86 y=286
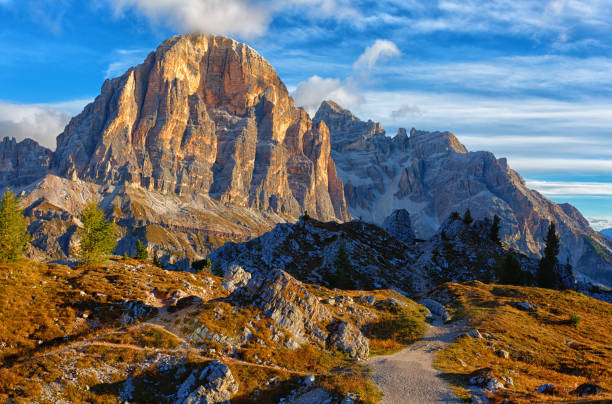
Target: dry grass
x=545 y=345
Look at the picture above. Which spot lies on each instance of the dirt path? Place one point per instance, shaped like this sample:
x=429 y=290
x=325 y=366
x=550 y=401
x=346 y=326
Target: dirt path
x=408 y=376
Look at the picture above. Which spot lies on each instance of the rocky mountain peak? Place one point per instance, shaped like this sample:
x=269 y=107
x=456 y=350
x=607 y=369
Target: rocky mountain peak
x=22 y=162
x=205 y=115
x=349 y=132
x=427 y=143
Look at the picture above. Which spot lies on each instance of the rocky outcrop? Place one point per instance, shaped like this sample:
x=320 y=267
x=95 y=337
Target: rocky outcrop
x=205 y=115
x=432 y=175
x=347 y=338
x=285 y=300
x=22 y=163
x=214 y=384
x=308 y=249
x=399 y=226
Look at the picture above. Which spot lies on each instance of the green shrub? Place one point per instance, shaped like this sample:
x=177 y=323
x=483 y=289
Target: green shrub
x=574 y=319
x=204 y=265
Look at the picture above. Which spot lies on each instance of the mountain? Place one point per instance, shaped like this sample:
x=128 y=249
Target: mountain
x=431 y=175
x=22 y=163
x=199 y=144
x=607 y=233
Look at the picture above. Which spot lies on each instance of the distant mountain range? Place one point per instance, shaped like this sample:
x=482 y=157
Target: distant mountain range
x=607 y=233
x=202 y=144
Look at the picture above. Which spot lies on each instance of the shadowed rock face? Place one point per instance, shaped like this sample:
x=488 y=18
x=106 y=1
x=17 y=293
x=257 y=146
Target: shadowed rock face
x=432 y=174
x=205 y=115
x=22 y=163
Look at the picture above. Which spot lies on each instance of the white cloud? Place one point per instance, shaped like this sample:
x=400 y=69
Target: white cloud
x=406 y=111
x=600 y=223
x=41 y=122
x=571 y=188
x=242 y=18
x=309 y=94
x=381 y=49
x=560 y=165
x=228 y=17
x=125 y=59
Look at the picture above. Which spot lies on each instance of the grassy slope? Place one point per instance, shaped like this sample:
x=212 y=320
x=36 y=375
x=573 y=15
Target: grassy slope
x=544 y=345
x=50 y=331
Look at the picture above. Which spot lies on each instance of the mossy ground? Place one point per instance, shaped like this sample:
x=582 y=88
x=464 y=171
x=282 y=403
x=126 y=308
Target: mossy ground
x=545 y=346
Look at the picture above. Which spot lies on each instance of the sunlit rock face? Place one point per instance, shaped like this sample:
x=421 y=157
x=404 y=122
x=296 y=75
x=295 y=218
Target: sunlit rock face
x=431 y=175
x=205 y=115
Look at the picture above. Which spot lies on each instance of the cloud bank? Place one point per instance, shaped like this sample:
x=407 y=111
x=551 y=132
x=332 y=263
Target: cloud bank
x=41 y=122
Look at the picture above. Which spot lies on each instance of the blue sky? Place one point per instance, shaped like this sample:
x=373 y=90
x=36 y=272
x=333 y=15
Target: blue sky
x=530 y=80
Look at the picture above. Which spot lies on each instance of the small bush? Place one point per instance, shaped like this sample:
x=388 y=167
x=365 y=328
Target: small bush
x=204 y=265
x=574 y=319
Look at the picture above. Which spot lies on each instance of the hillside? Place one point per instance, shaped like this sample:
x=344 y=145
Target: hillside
x=527 y=338
x=129 y=331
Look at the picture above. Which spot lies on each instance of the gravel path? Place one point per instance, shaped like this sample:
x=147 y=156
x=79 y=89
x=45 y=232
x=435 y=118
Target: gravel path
x=408 y=376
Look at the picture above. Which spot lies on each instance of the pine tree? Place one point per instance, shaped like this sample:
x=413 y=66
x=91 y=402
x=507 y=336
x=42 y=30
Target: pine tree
x=217 y=269
x=344 y=269
x=509 y=271
x=467 y=217
x=97 y=235
x=13 y=228
x=546 y=275
x=455 y=216
x=141 y=251
x=495 y=230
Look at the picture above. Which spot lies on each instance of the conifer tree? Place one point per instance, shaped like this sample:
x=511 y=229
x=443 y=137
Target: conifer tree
x=344 y=269
x=467 y=217
x=495 y=230
x=546 y=275
x=97 y=235
x=13 y=228
x=509 y=271
x=141 y=251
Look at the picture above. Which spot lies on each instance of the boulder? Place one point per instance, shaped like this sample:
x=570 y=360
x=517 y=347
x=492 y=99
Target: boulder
x=214 y=384
x=586 y=389
x=235 y=277
x=348 y=338
x=485 y=379
x=503 y=354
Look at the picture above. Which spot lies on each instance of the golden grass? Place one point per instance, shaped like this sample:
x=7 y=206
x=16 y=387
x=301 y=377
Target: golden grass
x=545 y=346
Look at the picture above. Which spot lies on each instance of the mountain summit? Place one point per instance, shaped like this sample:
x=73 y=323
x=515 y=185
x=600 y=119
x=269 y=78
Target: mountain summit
x=198 y=145
x=205 y=114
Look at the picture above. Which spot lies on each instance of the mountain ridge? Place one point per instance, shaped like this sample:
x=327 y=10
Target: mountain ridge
x=431 y=175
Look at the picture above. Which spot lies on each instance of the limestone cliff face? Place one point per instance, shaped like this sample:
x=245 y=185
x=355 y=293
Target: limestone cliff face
x=432 y=174
x=22 y=163
x=205 y=115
